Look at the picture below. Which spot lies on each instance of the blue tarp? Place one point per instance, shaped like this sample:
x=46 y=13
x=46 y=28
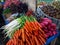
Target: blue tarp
x=2 y=3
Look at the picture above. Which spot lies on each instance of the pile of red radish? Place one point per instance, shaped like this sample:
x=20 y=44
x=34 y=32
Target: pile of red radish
x=48 y=27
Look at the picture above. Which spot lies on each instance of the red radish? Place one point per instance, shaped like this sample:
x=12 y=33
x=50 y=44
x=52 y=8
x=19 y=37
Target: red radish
x=54 y=32
x=46 y=31
x=42 y=24
x=52 y=29
x=53 y=25
x=51 y=34
x=45 y=18
x=45 y=23
x=46 y=35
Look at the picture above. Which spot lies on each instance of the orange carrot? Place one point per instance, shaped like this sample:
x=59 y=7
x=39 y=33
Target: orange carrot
x=27 y=23
x=27 y=41
x=42 y=39
x=23 y=36
x=37 y=42
x=25 y=29
x=33 y=25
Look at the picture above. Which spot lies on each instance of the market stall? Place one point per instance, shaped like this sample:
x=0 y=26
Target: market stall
x=24 y=26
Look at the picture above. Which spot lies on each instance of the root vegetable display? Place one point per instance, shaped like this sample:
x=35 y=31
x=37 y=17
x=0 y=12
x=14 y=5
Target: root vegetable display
x=28 y=35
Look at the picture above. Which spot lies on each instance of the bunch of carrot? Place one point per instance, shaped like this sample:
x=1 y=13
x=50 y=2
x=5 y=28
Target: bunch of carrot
x=10 y=28
x=30 y=34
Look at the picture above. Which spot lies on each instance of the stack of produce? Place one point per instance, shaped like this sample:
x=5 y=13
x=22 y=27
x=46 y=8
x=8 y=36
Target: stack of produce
x=28 y=35
x=51 y=11
x=48 y=27
x=16 y=24
x=27 y=31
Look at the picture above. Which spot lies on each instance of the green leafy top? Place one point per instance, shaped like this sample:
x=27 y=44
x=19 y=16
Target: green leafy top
x=6 y=11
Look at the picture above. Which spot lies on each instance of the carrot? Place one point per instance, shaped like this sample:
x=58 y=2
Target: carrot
x=27 y=41
x=23 y=36
x=22 y=42
x=15 y=41
x=27 y=23
x=41 y=31
x=10 y=42
x=32 y=40
x=36 y=25
x=37 y=42
x=17 y=33
x=43 y=35
x=32 y=25
x=39 y=26
x=42 y=39
x=25 y=29
x=19 y=42
x=26 y=26
x=26 y=33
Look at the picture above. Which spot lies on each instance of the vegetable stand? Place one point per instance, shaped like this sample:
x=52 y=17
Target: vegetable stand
x=26 y=28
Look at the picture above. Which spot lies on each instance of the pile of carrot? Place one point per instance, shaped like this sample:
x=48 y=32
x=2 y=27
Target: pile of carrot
x=30 y=34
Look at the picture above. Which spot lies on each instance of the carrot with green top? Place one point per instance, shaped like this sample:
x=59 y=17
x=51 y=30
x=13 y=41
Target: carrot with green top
x=27 y=23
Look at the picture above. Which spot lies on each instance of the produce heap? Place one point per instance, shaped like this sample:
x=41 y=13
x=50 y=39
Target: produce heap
x=26 y=30
x=51 y=11
x=48 y=27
